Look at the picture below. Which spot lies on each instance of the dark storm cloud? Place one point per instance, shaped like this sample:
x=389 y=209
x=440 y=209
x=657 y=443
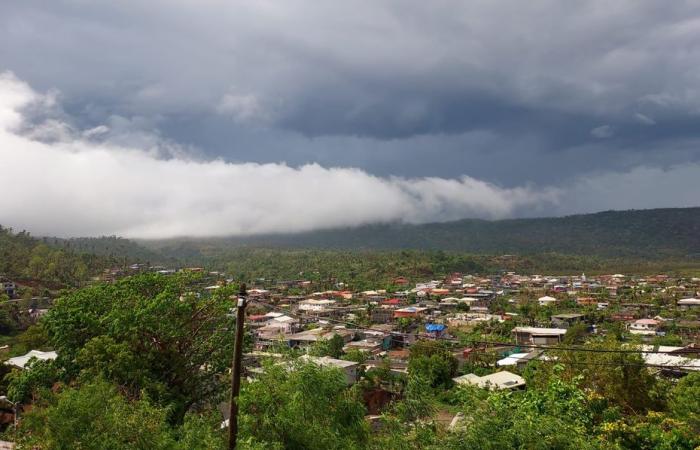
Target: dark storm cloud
x=389 y=70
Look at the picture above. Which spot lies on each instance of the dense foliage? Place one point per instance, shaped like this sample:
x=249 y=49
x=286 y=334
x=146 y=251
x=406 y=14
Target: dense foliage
x=303 y=407
x=433 y=362
x=23 y=256
x=113 y=247
x=147 y=333
x=97 y=416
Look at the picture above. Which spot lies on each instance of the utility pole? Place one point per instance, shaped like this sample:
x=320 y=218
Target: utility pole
x=236 y=369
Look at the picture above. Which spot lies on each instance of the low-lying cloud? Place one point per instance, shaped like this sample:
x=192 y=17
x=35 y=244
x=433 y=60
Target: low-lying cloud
x=61 y=181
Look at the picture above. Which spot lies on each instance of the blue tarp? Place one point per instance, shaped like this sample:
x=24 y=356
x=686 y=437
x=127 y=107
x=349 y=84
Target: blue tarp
x=433 y=327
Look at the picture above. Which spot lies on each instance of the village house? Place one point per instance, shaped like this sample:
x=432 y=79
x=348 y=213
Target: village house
x=495 y=381
x=392 y=302
x=383 y=337
x=306 y=338
x=410 y=312
x=520 y=360
x=371 y=346
x=383 y=314
x=672 y=361
x=471 y=319
x=20 y=362
x=538 y=336
x=272 y=328
x=349 y=368
x=644 y=327
x=316 y=306
x=689 y=302
x=546 y=300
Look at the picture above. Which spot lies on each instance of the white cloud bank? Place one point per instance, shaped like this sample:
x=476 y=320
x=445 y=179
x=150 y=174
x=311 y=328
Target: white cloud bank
x=58 y=181
x=55 y=180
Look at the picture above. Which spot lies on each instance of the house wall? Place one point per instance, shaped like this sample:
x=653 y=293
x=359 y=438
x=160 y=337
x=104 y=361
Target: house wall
x=522 y=338
x=545 y=340
x=527 y=338
x=382 y=315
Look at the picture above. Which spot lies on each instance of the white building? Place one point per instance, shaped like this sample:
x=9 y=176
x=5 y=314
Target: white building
x=347 y=367
x=689 y=302
x=21 y=361
x=494 y=381
x=644 y=327
x=319 y=305
x=546 y=300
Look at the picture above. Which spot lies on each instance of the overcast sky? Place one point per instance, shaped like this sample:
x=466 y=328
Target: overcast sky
x=167 y=118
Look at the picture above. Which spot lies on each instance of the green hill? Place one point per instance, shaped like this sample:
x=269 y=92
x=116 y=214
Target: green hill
x=622 y=236
x=113 y=247
x=25 y=257
x=655 y=233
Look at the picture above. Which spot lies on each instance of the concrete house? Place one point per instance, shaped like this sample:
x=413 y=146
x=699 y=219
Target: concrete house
x=689 y=302
x=21 y=361
x=538 y=336
x=349 y=368
x=546 y=300
x=644 y=327
x=495 y=381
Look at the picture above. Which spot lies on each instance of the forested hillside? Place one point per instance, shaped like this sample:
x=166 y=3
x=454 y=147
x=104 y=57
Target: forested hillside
x=656 y=234
x=648 y=240
x=24 y=256
x=111 y=246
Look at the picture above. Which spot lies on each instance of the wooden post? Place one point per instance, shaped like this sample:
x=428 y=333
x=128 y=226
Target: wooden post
x=236 y=369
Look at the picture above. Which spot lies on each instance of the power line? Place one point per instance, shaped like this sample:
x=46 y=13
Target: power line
x=503 y=344
x=584 y=349
x=620 y=364
x=509 y=344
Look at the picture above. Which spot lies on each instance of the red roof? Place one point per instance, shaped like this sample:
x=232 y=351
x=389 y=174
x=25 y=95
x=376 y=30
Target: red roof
x=392 y=301
x=647 y=322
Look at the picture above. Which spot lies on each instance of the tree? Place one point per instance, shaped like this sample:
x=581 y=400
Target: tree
x=684 y=401
x=302 y=406
x=556 y=417
x=34 y=337
x=7 y=324
x=148 y=332
x=94 y=416
x=433 y=362
x=610 y=371
x=576 y=334
x=356 y=355
x=404 y=323
x=655 y=431
x=23 y=385
x=332 y=347
x=407 y=424
x=463 y=307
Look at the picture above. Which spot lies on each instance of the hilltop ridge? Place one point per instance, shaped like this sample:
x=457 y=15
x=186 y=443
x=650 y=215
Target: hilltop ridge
x=653 y=233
